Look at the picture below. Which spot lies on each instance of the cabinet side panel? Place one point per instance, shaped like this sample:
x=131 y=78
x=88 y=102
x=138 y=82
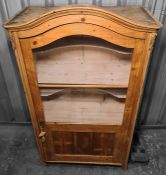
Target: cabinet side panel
x=20 y=51
x=138 y=71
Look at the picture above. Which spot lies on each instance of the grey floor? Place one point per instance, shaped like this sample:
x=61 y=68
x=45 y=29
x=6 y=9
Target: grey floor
x=19 y=156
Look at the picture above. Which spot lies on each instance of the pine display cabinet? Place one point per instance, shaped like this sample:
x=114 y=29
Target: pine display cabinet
x=83 y=69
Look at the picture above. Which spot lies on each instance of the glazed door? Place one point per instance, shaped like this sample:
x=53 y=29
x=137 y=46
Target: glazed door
x=83 y=87
x=83 y=70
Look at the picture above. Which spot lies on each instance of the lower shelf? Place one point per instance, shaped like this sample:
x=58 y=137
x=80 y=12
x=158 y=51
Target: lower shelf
x=84 y=106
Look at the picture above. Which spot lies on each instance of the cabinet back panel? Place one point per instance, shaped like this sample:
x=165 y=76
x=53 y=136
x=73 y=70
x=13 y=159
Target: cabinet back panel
x=85 y=106
x=83 y=64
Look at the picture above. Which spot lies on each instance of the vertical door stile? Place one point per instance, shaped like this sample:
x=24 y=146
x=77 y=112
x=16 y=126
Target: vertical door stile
x=28 y=62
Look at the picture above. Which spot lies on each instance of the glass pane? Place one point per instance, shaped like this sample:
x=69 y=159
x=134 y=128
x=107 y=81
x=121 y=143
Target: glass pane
x=84 y=106
x=83 y=60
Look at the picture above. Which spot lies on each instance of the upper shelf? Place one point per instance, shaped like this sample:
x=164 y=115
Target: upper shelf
x=83 y=64
x=133 y=15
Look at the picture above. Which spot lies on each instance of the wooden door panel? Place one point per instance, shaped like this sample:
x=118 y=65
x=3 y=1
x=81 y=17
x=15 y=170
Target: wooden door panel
x=82 y=143
x=66 y=145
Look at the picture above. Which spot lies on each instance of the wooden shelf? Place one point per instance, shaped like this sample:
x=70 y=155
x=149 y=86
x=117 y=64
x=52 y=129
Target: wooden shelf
x=83 y=64
x=54 y=85
x=49 y=94
x=84 y=106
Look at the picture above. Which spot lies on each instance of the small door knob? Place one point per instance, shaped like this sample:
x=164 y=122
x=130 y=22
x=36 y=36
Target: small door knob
x=42 y=136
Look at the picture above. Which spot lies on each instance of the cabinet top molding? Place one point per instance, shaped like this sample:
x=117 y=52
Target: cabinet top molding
x=132 y=17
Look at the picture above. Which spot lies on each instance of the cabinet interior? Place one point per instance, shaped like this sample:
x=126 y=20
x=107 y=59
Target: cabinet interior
x=83 y=80
x=83 y=60
x=84 y=106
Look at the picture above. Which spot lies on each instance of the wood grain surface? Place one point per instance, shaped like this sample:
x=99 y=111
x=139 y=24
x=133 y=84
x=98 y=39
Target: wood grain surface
x=92 y=125
x=78 y=65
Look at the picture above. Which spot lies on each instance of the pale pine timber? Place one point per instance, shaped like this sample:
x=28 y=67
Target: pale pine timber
x=91 y=119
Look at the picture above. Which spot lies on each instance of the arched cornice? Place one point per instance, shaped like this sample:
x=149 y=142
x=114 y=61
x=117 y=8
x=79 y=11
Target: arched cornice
x=81 y=14
x=80 y=29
